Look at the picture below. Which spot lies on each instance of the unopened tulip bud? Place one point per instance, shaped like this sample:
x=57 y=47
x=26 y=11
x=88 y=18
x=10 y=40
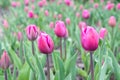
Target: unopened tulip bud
x=112 y=21
x=31 y=14
x=19 y=36
x=60 y=29
x=85 y=14
x=82 y=25
x=46 y=13
x=89 y=38
x=51 y=25
x=103 y=33
x=32 y=32
x=118 y=6
x=68 y=21
x=5 y=60
x=45 y=43
x=67 y=2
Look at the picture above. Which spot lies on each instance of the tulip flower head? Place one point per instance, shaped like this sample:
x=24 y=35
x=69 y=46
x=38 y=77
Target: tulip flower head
x=67 y=2
x=112 y=21
x=68 y=21
x=45 y=43
x=103 y=33
x=118 y=6
x=89 y=38
x=5 y=23
x=5 y=60
x=60 y=29
x=82 y=25
x=46 y=13
x=32 y=32
x=31 y=14
x=19 y=36
x=85 y=14
x=51 y=25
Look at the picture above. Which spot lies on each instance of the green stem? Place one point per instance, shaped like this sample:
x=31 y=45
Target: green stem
x=65 y=47
x=91 y=66
x=48 y=68
x=33 y=52
x=5 y=75
x=61 y=48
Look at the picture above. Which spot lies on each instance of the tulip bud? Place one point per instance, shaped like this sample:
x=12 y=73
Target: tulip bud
x=68 y=21
x=46 y=13
x=51 y=25
x=118 y=6
x=96 y=5
x=14 y=4
x=59 y=16
x=85 y=14
x=67 y=2
x=26 y=2
x=103 y=32
x=82 y=25
x=112 y=21
x=19 y=36
x=40 y=3
x=30 y=14
x=5 y=23
x=32 y=32
x=60 y=29
x=45 y=43
x=89 y=38
x=4 y=61
x=77 y=14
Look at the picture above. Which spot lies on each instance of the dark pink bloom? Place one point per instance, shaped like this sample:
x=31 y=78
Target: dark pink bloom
x=40 y=3
x=118 y=6
x=31 y=14
x=103 y=33
x=60 y=29
x=5 y=60
x=26 y=2
x=67 y=2
x=85 y=14
x=45 y=43
x=112 y=21
x=110 y=6
x=89 y=38
x=32 y=32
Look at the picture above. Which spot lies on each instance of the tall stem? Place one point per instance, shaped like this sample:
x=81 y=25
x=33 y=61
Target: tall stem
x=61 y=48
x=91 y=66
x=65 y=46
x=48 y=68
x=5 y=75
x=33 y=52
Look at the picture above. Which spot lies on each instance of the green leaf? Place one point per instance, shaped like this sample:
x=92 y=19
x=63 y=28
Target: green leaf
x=24 y=72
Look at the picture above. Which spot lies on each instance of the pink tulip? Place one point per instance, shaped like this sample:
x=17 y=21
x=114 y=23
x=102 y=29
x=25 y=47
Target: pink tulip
x=96 y=5
x=103 y=32
x=40 y=3
x=26 y=2
x=45 y=43
x=82 y=25
x=5 y=60
x=51 y=25
x=32 y=32
x=67 y=21
x=89 y=39
x=118 y=6
x=46 y=13
x=85 y=14
x=59 y=16
x=60 y=29
x=112 y=21
x=26 y=9
x=5 y=24
x=77 y=14
x=14 y=4
x=109 y=6
x=81 y=7
x=19 y=36
x=33 y=7
x=31 y=14
x=67 y=2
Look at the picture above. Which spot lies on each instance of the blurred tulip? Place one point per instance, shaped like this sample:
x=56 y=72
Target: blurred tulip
x=19 y=36
x=46 y=13
x=31 y=14
x=82 y=25
x=85 y=14
x=109 y=6
x=59 y=16
x=112 y=21
x=51 y=25
x=96 y=5
x=67 y=2
x=118 y=6
x=33 y=7
x=60 y=29
x=26 y=2
x=14 y=4
x=5 y=23
x=26 y=9
x=103 y=33
x=81 y=7
x=45 y=43
x=89 y=39
x=4 y=61
x=77 y=14
x=32 y=32
x=40 y=3
x=67 y=21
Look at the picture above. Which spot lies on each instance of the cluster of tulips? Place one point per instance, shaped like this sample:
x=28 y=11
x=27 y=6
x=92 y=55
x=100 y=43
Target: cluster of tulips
x=90 y=37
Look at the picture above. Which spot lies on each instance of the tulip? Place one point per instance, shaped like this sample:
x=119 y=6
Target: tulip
x=31 y=14
x=81 y=7
x=40 y=3
x=59 y=16
x=32 y=32
x=96 y=5
x=77 y=14
x=14 y=4
x=68 y=21
x=45 y=43
x=26 y=2
x=46 y=13
x=82 y=25
x=4 y=61
x=109 y=6
x=5 y=23
x=89 y=39
x=103 y=32
x=85 y=14
x=118 y=6
x=60 y=29
x=67 y=2
x=51 y=25
x=112 y=21
x=19 y=36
